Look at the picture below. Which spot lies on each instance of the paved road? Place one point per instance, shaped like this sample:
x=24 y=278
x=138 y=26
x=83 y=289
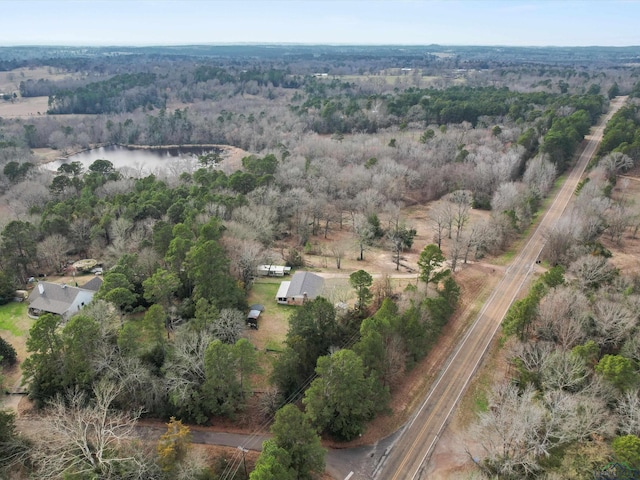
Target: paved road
x=340 y=462
x=407 y=458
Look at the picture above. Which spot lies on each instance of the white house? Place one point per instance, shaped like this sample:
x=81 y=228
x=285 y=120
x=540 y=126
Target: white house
x=62 y=300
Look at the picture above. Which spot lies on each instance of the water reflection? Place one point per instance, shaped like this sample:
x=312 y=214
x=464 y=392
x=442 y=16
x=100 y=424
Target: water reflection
x=141 y=162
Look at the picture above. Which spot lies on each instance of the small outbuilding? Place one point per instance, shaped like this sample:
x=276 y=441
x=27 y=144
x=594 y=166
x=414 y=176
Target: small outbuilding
x=302 y=287
x=254 y=314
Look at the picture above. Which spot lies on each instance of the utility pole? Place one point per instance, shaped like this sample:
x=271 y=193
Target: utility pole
x=244 y=461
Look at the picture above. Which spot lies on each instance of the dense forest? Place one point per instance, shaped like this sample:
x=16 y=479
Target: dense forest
x=340 y=141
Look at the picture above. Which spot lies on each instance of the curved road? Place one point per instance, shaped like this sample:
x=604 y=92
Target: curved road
x=408 y=455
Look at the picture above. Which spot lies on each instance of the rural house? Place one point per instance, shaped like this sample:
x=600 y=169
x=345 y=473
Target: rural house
x=303 y=286
x=62 y=300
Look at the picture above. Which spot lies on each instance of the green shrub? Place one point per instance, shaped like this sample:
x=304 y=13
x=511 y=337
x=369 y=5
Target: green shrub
x=7 y=353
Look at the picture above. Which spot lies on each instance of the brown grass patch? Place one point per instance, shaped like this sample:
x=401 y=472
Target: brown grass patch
x=27 y=106
x=626 y=254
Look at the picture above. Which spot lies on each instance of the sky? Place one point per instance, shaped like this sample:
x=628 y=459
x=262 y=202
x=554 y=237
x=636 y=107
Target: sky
x=353 y=22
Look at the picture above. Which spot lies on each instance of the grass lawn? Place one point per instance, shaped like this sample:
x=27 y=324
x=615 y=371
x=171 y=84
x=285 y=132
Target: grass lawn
x=273 y=325
x=14 y=319
x=274 y=321
x=14 y=328
x=264 y=291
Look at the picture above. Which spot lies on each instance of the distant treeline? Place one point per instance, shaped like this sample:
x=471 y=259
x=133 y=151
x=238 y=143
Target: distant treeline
x=122 y=93
x=502 y=55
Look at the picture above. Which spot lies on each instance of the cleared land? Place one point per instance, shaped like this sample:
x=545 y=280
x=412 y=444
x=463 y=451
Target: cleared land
x=31 y=106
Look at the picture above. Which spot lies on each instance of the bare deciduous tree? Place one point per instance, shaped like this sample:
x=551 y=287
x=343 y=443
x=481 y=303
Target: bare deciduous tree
x=456 y=251
x=590 y=209
x=562 y=317
x=512 y=432
x=122 y=241
x=24 y=196
x=185 y=366
x=52 y=251
x=370 y=201
x=261 y=220
x=521 y=427
x=513 y=198
x=338 y=250
x=577 y=417
x=115 y=187
x=628 y=411
x=540 y=175
x=364 y=233
x=558 y=241
x=80 y=233
x=438 y=219
x=461 y=200
x=481 y=238
x=613 y=321
x=631 y=347
x=591 y=271
x=139 y=387
x=618 y=219
x=615 y=163
x=148 y=261
x=245 y=257
x=532 y=355
x=562 y=370
x=87 y=437
x=229 y=326
x=381 y=289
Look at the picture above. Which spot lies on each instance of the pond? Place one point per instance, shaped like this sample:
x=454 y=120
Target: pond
x=139 y=162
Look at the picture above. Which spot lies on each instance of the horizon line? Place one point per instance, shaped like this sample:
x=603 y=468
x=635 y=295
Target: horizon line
x=300 y=44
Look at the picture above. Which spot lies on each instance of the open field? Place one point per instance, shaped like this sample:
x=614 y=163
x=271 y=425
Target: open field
x=397 y=77
x=10 y=81
x=26 y=107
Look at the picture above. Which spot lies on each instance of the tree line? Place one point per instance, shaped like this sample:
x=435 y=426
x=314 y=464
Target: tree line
x=573 y=386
